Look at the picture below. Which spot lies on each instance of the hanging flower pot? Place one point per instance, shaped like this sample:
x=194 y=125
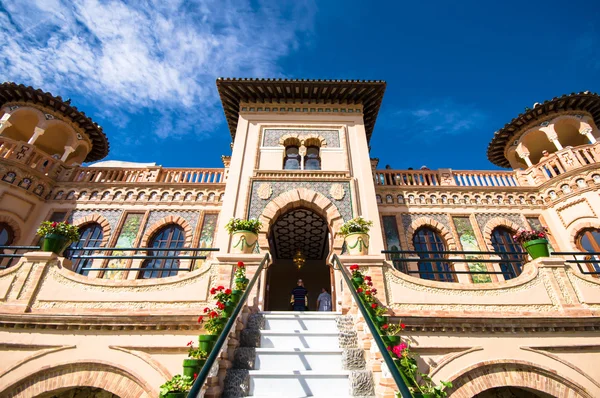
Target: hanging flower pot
x=357 y=244
x=55 y=243
x=236 y=295
x=192 y=366
x=207 y=341
x=537 y=248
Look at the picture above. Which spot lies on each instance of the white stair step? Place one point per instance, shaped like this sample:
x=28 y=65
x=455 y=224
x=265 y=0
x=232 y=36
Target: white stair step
x=306 y=323
x=312 y=313
x=299 y=339
x=299 y=383
x=271 y=359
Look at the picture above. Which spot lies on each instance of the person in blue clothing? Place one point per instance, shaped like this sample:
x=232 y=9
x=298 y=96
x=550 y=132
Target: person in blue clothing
x=299 y=298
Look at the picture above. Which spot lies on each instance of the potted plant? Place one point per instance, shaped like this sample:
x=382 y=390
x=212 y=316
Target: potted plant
x=534 y=241
x=57 y=235
x=379 y=313
x=356 y=235
x=224 y=301
x=193 y=363
x=357 y=276
x=389 y=333
x=214 y=326
x=244 y=234
x=177 y=387
x=240 y=282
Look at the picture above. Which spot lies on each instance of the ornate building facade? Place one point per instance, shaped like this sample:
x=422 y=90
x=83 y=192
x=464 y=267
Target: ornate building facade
x=300 y=163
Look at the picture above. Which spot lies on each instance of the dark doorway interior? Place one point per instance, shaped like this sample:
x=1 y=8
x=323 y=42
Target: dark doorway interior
x=512 y=392
x=304 y=230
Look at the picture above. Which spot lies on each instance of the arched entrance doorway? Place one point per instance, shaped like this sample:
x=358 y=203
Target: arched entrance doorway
x=512 y=392
x=297 y=231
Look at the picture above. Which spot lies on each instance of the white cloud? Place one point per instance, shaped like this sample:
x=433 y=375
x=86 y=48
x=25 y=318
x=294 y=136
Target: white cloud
x=438 y=117
x=162 y=56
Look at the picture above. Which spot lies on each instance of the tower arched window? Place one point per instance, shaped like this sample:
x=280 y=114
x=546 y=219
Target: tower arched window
x=431 y=265
x=588 y=240
x=312 y=160
x=292 y=158
x=164 y=243
x=90 y=235
x=511 y=265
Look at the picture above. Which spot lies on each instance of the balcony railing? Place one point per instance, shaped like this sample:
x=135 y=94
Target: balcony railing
x=446 y=177
x=28 y=155
x=561 y=162
x=156 y=174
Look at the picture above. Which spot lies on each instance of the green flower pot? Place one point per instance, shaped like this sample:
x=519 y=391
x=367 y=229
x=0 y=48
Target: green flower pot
x=206 y=342
x=228 y=310
x=537 y=248
x=417 y=395
x=55 y=243
x=192 y=366
x=176 y=394
x=243 y=282
x=236 y=295
x=380 y=320
x=357 y=281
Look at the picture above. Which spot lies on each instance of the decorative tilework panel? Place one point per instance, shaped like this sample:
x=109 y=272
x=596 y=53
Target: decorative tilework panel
x=442 y=218
x=468 y=241
x=257 y=204
x=271 y=136
x=390 y=230
x=483 y=219
x=190 y=216
x=112 y=216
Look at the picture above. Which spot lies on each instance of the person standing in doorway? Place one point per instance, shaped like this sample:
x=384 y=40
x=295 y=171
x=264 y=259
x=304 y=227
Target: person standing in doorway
x=324 y=300
x=299 y=297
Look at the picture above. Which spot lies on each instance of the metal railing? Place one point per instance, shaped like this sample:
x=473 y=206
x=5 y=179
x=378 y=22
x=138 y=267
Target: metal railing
x=91 y=256
x=389 y=361
x=590 y=258
x=440 y=259
x=6 y=259
x=216 y=351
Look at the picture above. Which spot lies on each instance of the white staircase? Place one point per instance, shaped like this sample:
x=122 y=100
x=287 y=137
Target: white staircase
x=299 y=356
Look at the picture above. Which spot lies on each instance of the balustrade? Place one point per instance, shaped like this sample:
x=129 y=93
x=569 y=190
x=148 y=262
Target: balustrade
x=446 y=177
x=28 y=155
x=146 y=174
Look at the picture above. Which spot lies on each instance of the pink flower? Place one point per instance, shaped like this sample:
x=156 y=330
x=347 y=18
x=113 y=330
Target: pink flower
x=399 y=348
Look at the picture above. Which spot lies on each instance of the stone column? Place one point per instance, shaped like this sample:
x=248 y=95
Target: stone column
x=4 y=123
x=525 y=157
x=68 y=150
x=37 y=132
x=587 y=132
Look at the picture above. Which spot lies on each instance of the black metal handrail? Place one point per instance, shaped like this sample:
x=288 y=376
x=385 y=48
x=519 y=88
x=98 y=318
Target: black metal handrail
x=582 y=261
x=4 y=264
x=402 y=387
x=214 y=354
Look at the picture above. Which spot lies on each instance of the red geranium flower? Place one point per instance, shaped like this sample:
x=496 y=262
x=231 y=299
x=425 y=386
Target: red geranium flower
x=385 y=326
x=195 y=376
x=213 y=291
x=374 y=291
x=359 y=290
x=200 y=319
x=354 y=267
x=54 y=224
x=220 y=288
x=190 y=343
x=368 y=292
x=228 y=291
x=402 y=325
x=374 y=305
x=213 y=314
x=389 y=348
x=220 y=305
x=369 y=283
x=206 y=310
x=240 y=264
x=367 y=278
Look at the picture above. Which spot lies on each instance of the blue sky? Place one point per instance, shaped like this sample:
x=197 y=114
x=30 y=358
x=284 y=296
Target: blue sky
x=456 y=71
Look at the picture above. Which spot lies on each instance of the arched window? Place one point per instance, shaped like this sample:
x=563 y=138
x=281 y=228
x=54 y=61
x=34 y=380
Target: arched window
x=588 y=240
x=432 y=266
x=90 y=235
x=292 y=158
x=503 y=243
x=7 y=237
x=167 y=238
x=312 y=160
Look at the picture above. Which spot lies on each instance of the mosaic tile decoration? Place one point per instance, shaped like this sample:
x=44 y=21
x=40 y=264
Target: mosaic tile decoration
x=483 y=219
x=271 y=136
x=190 y=216
x=112 y=216
x=442 y=218
x=257 y=204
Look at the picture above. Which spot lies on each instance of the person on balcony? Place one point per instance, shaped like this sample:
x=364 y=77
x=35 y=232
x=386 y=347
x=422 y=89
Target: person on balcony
x=324 y=301
x=299 y=298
